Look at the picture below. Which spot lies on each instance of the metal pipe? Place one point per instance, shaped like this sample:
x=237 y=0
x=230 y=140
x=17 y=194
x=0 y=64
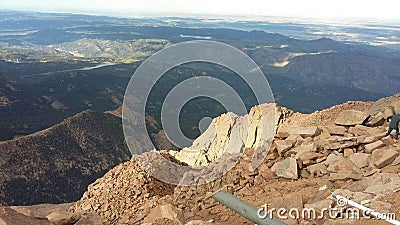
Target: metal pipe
x=244 y=209
x=342 y=201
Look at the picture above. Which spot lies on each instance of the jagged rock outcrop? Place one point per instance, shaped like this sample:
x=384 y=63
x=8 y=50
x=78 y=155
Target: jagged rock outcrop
x=230 y=133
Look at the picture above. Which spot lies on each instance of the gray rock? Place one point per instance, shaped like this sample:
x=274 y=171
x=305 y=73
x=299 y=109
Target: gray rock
x=286 y=168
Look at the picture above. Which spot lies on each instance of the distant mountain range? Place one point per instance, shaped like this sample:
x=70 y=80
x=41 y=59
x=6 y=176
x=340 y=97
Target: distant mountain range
x=57 y=65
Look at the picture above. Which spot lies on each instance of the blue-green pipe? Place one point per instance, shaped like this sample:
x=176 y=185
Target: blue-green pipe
x=244 y=209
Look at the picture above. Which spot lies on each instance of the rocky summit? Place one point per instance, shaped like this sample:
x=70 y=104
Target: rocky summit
x=342 y=149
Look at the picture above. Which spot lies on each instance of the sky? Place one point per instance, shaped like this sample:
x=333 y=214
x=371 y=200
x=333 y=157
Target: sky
x=376 y=9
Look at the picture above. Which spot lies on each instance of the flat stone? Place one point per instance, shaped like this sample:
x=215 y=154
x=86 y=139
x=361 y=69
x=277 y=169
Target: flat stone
x=375 y=145
x=345 y=176
x=356 y=131
x=383 y=157
x=355 y=196
x=62 y=218
x=305 y=148
x=361 y=160
x=305 y=131
x=286 y=168
x=283 y=146
x=336 y=130
x=368 y=140
x=379 y=189
x=349 y=144
x=308 y=155
x=351 y=118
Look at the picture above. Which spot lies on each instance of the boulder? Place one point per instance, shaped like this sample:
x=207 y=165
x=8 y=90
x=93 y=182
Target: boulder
x=351 y=118
x=305 y=148
x=376 y=120
x=62 y=218
x=283 y=146
x=167 y=211
x=367 y=140
x=305 y=131
x=336 y=130
x=361 y=160
x=286 y=168
x=375 y=145
x=383 y=157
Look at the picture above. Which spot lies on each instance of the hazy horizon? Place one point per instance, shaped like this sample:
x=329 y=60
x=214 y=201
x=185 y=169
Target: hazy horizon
x=307 y=9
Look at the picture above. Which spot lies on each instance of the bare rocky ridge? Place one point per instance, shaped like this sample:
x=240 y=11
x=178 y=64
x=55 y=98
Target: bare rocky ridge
x=57 y=164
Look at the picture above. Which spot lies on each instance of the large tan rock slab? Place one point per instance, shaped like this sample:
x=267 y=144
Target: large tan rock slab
x=351 y=118
x=383 y=157
x=305 y=131
x=375 y=145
